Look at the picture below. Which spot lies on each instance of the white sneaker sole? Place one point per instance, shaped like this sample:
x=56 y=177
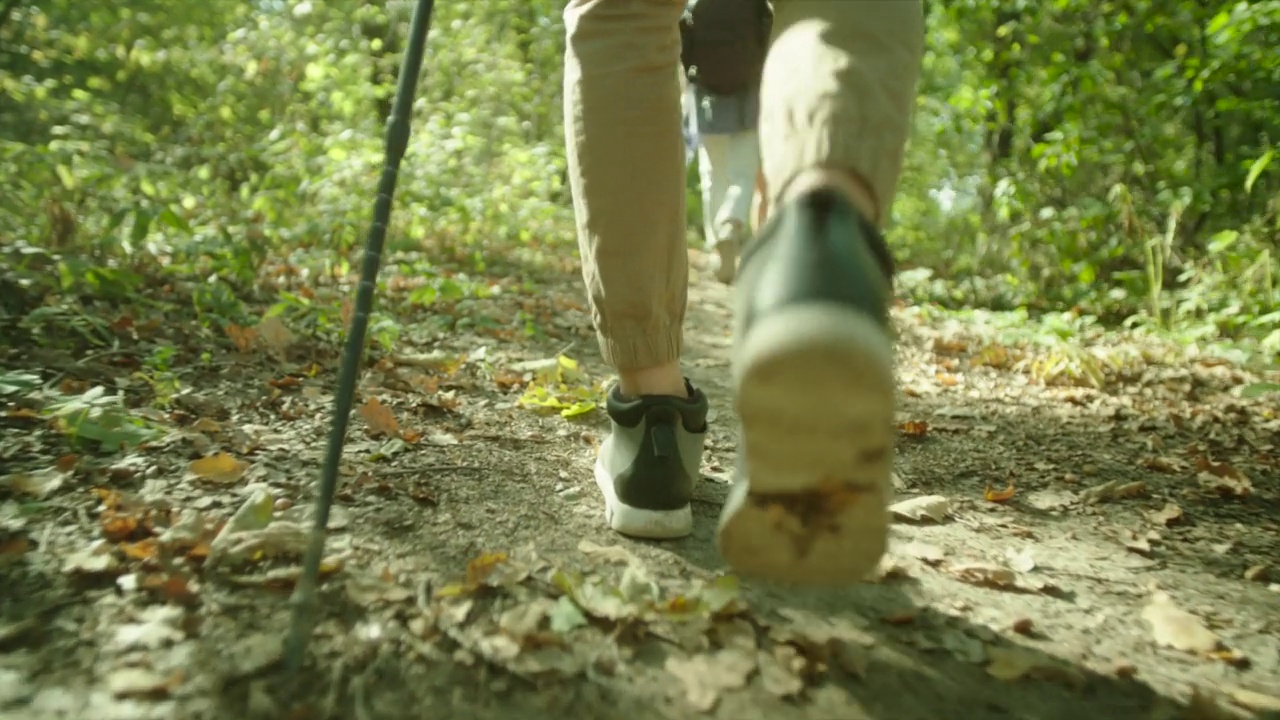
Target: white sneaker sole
x=814 y=389
x=639 y=523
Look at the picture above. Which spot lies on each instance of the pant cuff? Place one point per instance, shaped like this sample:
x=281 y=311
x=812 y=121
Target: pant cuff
x=639 y=352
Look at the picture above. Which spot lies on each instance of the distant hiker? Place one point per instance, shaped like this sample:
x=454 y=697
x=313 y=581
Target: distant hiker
x=723 y=47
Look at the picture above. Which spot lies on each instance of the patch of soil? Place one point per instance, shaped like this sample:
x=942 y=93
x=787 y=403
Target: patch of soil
x=1062 y=551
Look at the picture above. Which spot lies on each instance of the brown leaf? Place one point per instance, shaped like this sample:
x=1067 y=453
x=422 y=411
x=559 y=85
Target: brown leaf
x=146 y=549
x=170 y=588
x=379 y=418
x=1237 y=486
x=14 y=547
x=275 y=335
x=220 y=468
x=66 y=463
x=243 y=338
x=913 y=428
x=425 y=384
x=983 y=575
x=1162 y=464
x=1223 y=470
x=347 y=312
x=117 y=527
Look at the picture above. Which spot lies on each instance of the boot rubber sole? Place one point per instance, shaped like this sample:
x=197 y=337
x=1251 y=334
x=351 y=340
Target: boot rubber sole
x=814 y=388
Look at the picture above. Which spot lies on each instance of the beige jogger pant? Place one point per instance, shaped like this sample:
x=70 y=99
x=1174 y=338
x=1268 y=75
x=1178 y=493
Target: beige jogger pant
x=838 y=91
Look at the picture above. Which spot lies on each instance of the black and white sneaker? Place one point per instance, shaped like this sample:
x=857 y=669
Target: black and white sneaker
x=814 y=388
x=648 y=465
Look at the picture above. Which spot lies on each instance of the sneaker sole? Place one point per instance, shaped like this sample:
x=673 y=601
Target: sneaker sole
x=814 y=389
x=638 y=522
x=726 y=266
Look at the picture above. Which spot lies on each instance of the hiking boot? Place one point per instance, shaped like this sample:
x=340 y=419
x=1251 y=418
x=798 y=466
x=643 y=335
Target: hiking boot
x=814 y=388
x=648 y=465
x=724 y=256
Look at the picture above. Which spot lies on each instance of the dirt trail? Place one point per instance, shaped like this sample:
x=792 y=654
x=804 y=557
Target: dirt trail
x=455 y=554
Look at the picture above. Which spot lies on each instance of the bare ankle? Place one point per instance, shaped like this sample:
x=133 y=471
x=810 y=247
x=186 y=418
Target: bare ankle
x=661 y=380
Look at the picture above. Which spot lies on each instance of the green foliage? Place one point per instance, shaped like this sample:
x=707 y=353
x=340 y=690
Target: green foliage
x=1115 y=157
x=206 y=142
x=1111 y=156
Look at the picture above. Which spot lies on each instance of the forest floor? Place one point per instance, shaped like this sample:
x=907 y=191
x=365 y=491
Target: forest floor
x=1086 y=527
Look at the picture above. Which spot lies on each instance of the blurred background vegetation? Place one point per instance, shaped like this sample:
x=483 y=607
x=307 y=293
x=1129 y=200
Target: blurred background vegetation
x=1106 y=159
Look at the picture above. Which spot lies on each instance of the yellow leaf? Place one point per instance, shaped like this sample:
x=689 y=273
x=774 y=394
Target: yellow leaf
x=577 y=409
x=479 y=568
x=219 y=468
x=452 y=590
x=993 y=495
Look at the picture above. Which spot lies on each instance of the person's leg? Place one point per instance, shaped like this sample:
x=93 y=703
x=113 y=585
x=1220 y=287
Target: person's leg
x=759 y=203
x=813 y=357
x=711 y=172
x=739 y=162
x=627 y=172
x=720 y=162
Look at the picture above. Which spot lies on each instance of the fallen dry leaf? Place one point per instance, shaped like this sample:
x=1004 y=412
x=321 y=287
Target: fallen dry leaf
x=170 y=588
x=1170 y=514
x=914 y=428
x=984 y=575
x=142 y=550
x=705 y=677
x=39 y=484
x=243 y=338
x=996 y=496
x=780 y=671
x=98 y=558
x=140 y=682
x=1014 y=663
x=1162 y=464
x=14 y=547
x=1254 y=701
x=606 y=553
x=1256 y=573
x=929 y=507
x=1227 y=487
x=379 y=418
x=1021 y=560
x=205 y=425
x=1114 y=490
x=66 y=463
x=220 y=468
x=275 y=335
x=118 y=526
x=1176 y=628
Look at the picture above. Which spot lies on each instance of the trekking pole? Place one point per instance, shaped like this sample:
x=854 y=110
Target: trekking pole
x=397 y=139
